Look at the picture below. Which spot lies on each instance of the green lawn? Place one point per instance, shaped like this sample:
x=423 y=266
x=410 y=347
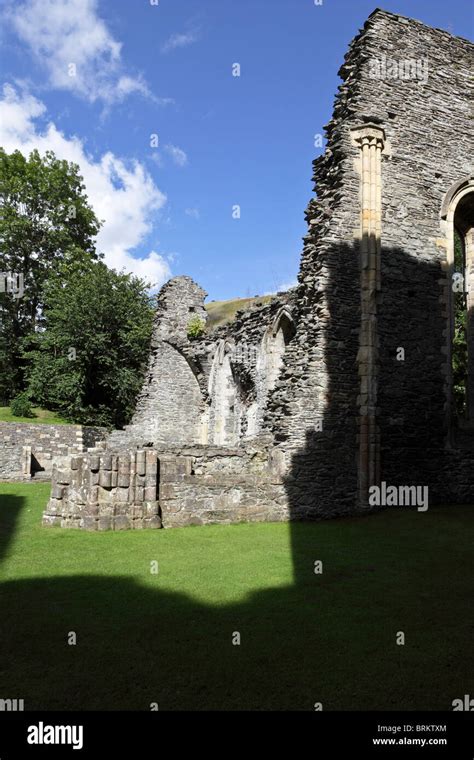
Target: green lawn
x=40 y=415
x=305 y=638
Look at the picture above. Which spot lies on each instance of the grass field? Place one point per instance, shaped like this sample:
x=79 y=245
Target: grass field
x=40 y=415
x=305 y=637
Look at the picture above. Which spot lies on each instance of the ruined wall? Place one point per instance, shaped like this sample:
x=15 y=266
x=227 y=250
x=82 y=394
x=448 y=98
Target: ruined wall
x=170 y=405
x=213 y=388
x=29 y=447
x=105 y=490
x=428 y=146
x=300 y=405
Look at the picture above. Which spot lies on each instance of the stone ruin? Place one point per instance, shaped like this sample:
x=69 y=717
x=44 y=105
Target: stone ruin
x=298 y=406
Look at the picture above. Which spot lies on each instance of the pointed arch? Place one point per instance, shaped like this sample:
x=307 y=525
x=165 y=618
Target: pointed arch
x=224 y=410
x=457 y=219
x=284 y=321
x=275 y=341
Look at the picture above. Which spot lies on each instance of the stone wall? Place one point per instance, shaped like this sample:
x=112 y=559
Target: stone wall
x=213 y=388
x=102 y=490
x=29 y=448
x=428 y=147
x=105 y=490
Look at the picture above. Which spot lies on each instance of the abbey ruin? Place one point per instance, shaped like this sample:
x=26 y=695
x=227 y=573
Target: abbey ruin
x=298 y=406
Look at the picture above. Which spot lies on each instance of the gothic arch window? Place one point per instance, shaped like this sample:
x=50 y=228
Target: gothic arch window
x=277 y=338
x=224 y=412
x=457 y=216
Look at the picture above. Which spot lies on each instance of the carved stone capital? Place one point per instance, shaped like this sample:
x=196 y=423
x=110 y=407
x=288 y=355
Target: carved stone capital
x=368 y=134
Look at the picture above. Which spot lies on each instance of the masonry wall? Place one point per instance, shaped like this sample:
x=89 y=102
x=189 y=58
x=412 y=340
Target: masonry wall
x=211 y=389
x=429 y=146
x=25 y=446
x=104 y=490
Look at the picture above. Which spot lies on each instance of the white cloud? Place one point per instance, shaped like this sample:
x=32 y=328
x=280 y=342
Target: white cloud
x=179 y=41
x=154 y=268
x=282 y=287
x=193 y=213
x=177 y=154
x=287 y=285
x=74 y=45
x=122 y=193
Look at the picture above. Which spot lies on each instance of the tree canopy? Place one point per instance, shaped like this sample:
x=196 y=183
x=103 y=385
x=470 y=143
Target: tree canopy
x=77 y=338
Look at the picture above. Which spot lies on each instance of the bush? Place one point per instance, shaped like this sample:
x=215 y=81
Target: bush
x=21 y=406
x=196 y=327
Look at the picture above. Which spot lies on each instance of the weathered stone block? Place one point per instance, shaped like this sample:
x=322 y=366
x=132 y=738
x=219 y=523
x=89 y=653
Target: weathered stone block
x=51 y=521
x=140 y=463
x=57 y=492
x=151 y=463
x=106 y=462
x=121 y=522
x=122 y=495
x=151 y=508
x=89 y=523
x=105 y=478
x=152 y=522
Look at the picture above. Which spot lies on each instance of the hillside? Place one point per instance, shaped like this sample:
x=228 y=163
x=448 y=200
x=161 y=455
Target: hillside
x=220 y=312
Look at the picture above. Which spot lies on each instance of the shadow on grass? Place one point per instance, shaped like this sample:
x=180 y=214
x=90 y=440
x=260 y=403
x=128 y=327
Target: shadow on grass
x=10 y=508
x=330 y=639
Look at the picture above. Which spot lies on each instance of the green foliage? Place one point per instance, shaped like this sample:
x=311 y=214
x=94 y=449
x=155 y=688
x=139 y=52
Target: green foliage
x=196 y=327
x=21 y=406
x=46 y=223
x=459 y=344
x=88 y=362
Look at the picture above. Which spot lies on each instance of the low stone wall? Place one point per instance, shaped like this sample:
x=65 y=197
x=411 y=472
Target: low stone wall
x=26 y=447
x=150 y=489
x=199 y=487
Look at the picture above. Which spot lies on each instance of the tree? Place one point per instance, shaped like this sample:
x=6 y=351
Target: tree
x=88 y=362
x=46 y=223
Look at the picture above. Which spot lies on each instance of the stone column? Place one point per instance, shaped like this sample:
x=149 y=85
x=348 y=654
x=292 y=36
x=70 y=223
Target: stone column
x=370 y=139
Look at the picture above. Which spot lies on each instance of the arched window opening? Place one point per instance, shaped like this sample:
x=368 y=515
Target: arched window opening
x=458 y=213
x=459 y=354
x=280 y=334
x=225 y=408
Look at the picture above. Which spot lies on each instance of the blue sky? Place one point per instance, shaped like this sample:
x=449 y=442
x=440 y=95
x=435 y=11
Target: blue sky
x=93 y=81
